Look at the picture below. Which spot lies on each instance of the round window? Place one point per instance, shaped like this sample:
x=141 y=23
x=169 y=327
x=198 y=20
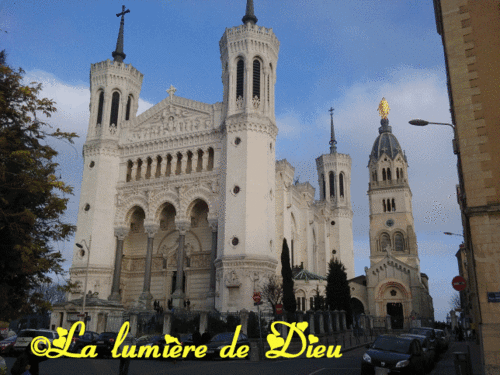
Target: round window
x=236 y=189
x=334 y=251
x=333 y=223
x=237 y=141
x=87 y=207
x=235 y=241
x=92 y=164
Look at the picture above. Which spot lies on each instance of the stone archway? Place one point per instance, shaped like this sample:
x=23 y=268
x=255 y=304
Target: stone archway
x=393 y=299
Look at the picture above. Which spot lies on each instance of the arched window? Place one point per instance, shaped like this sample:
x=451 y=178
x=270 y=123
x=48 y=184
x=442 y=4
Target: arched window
x=341 y=185
x=374 y=176
x=331 y=178
x=393 y=205
x=240 y=74
x=115 y=105
x=168 y=171
x=129 y=104
x=383 y=174
x=129 y=170
x=399 y=242
x=100 y=108
x=383 y=203
x=385 y=241
x=324 y=185
x=397 y=173
x=401 y=173
x=256 y=79
x=388 y=173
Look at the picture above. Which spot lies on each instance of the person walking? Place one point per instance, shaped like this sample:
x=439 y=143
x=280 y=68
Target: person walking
x=125 y=362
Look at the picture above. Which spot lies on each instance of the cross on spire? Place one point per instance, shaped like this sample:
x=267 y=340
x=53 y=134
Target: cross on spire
x=249 y=15
x=118 y=54
x=333 y=142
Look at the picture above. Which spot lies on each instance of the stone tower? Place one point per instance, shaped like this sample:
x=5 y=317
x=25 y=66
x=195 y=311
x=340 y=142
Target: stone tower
x=247 y=250
x=334 y=178
x=389 y=194
x=114 y=97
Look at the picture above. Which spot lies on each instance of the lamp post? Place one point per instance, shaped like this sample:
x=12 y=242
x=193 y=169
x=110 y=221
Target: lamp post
x=453 y=234
x=86 y=275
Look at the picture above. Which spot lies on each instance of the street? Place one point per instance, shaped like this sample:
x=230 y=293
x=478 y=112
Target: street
x=348 y=364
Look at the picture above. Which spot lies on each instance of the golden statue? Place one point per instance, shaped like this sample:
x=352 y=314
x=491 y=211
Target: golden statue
x=383 y=108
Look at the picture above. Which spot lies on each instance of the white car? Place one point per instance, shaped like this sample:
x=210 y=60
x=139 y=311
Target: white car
x=26 y=335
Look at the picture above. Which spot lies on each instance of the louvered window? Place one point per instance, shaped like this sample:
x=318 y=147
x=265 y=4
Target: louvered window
x=115 y=104
x=256 y=79
x=240 y=72
x=100 y=108
x=332 y=184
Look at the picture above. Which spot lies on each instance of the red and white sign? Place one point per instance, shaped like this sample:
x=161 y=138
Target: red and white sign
x=256 y=297
x=459 y=283
x=279 y=309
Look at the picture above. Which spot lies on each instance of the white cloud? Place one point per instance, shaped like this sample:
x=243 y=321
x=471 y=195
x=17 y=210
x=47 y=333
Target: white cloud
x=289 y=125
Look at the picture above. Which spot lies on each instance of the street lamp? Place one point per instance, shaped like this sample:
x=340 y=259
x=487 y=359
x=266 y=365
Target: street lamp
x=453 y=234
x=420 y=122
x=86 y=275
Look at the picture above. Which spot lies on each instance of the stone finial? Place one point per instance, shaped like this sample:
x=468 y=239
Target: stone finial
x=118 y=54
x=249 y=15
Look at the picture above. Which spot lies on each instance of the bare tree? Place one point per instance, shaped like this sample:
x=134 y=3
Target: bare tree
x=51 y=293
x=455 y=301
x=272 y=291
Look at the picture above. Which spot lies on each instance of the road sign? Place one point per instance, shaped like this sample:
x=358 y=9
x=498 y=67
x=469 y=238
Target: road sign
x=279 y=309
x=256 y=297
x=459 y=283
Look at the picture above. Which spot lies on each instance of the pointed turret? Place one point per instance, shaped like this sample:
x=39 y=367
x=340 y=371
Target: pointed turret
x=333 y=142
x=249 y=15
x=118 y=54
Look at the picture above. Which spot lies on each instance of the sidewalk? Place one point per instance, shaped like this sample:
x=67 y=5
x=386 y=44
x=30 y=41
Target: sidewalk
x=446 y=365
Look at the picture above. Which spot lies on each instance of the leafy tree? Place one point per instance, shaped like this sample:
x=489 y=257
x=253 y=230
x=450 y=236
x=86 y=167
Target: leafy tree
x=455 y=302
x=272 y=291
x=31 y=196
x=338 y=293
x=289 y=302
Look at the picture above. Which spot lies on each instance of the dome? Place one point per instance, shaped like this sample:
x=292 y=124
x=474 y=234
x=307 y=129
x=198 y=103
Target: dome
x=386 y=143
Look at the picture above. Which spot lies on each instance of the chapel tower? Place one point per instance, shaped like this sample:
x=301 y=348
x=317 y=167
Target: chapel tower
x=389 y=194
x=114 y=98
x=247 y=249
x=334 y=179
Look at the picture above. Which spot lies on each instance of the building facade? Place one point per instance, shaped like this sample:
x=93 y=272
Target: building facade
x=470 y=32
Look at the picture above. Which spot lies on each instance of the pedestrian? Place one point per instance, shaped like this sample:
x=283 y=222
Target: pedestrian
x=196 y=338
x=125 y=362
x=28 y=363
x=205 y=338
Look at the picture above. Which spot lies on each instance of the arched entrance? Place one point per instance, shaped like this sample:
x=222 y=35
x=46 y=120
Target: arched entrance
x=357 y=309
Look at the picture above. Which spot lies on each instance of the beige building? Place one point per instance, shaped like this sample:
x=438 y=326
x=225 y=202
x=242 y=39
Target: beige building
x=470 y=32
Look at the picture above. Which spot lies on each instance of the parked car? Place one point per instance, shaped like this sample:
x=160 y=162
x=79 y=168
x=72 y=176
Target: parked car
x=7 y=346
x=79 y=342
x=393 y=355
x=104 y=344
x=430 y=334
x=428 y=350
x=26 y=335
x=443 y=340
x=151 y=340
x=220 y=340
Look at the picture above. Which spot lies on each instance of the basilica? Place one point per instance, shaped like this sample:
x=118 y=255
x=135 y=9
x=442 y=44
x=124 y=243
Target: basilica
x=187 y=202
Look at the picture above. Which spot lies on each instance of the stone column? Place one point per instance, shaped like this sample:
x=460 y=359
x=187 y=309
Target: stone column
x=388 y=324
x=144 y=168
x=244 y=321
x=337 y=323
x=178 y=296
x=153 y=167
x=344 y=324
x=213 y=255
x=311 y=322
x=203 y=321
x=247 y=93
x=120 y=234
x=205 y=160
x=163 y=167
x=184 y=162
x=167 y=322
x=133 y=324
x=146 y=296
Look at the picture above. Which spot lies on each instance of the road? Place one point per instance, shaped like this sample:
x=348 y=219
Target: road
x=348 y=364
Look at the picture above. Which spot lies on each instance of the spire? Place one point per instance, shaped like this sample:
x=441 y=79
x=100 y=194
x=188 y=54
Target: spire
x=333 y=142
x=249 y=15
x=118 y=54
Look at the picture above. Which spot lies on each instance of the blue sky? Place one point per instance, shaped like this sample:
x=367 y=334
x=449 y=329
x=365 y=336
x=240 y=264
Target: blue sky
x=345 y=54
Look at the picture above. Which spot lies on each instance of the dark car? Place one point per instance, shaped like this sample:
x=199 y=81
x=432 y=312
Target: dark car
x=428 y=350
x=430 y=334
x=7 y=346
x=393 y=355
x=79 y=342
x=220 y=340
x=151 y=340
x=443 y=341
x=105 y=343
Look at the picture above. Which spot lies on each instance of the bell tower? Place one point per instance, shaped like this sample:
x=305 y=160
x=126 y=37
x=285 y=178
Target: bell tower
x=334 y=178
x=391 y=218
x=114 y=98
x=246 y=238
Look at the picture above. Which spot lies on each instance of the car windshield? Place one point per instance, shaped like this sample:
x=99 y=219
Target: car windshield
x=392 y=344
x=106 y=335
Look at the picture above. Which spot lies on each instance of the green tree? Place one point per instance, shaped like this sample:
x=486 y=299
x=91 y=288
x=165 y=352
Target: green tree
x=338 y=293
x=31 y=196
x=289 y=302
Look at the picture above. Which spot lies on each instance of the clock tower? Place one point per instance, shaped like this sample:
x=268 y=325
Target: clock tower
x=391 y=218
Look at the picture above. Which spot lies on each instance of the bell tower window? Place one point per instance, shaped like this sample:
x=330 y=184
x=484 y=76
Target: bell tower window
x=115 y=104
x=324 y=185
x=341 y=185
x=129 y=104
x=100 y=108
x=399 y=242
x=240 y=71
x=388 y=173
x=393 y=205
x=332 y=184
x=385 y=241
x=256 y=79
x=384 y=176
